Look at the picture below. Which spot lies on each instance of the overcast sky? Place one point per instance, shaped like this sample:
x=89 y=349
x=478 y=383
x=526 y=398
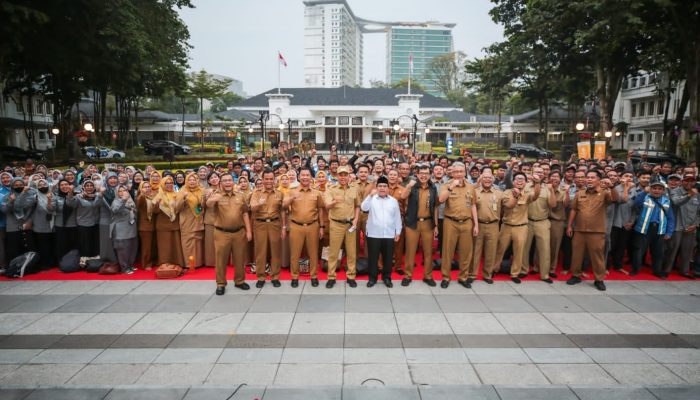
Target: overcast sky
x=240 y=38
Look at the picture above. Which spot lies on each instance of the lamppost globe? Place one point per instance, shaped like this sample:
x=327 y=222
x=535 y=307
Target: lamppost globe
x=55 y=131
x=580 y=126
x=250 y=130
x=88 y=127
x=397 y=127
x=617 y=134
x=427 y=130
x=608 y=134
x=281 y=126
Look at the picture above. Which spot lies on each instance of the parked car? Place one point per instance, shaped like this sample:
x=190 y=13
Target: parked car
x=163 y=146
x=529 y=150
x=655 y=157
x=11 y=153
x=102 y=152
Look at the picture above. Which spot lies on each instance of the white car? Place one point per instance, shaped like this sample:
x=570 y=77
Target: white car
x=103 y=152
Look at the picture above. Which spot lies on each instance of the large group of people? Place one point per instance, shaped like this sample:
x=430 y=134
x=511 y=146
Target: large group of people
x=515 y=217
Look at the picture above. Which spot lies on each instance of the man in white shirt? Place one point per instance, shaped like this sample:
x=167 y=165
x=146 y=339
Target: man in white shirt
x=383 y=230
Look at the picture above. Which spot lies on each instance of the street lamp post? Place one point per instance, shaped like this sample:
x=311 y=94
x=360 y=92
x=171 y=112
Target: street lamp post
x=414 y=121
x=55 y=132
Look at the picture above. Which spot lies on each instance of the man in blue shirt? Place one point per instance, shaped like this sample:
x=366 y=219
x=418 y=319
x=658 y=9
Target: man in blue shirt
x=655 y=223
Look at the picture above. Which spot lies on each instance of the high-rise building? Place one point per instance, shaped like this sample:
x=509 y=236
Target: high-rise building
x=422 y=41
x=332 y=44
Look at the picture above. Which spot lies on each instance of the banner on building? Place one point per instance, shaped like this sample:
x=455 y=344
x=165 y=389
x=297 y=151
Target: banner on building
x=599 y=150
x=584 y=150
x=424 y=147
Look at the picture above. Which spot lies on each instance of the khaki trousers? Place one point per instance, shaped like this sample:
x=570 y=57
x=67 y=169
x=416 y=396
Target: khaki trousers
x=147 y=248
x=593 y=244
x=230 y=245
x=301 y=237
x=517 y=235
x=338 y=235
x=556 y=236
x=423 y=235
x=456 y=236
x=486 y=242
x=267 y=239
x=399 y=249
x=538 y=230
x=361 y=228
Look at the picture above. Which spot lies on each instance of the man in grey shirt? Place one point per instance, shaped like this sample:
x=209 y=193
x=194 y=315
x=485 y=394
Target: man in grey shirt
x=686 y=202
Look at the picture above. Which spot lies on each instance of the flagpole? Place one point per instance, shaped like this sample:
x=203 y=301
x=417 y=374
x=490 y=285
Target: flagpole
x=279 y=85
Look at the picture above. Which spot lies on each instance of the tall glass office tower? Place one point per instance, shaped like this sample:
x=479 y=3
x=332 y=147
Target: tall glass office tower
x=424 y=41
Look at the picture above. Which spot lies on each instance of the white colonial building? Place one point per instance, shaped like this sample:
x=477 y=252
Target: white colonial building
x=18 y=116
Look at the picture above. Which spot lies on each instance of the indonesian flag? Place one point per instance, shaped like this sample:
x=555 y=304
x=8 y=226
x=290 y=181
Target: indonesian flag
x=410 y=62
x=281 y=59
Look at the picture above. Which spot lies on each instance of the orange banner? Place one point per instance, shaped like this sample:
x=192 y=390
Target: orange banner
x=599 y=150
x=584 y=150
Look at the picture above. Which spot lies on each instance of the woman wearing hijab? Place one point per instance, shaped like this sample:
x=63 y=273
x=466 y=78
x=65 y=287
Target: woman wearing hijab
x=40 y=200
x=167 y=224
x=146 y=224
x=5 y=190
x=244 y=186
x=203 y=174
x=136 y=181
x=190 y=206
x=88 y=217
x=123 y=229
x=65 y=219
x=180 y=180
x=209 y=219
x=15 y=218
x=109 y=193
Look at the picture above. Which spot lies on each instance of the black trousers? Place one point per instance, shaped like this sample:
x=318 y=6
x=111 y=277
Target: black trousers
x=620 y=239
x=89 y=240
x=566 y=251
x=16 y=244
x=45 y=246
x=652 y=241
x=375 y=247
x=66 y=240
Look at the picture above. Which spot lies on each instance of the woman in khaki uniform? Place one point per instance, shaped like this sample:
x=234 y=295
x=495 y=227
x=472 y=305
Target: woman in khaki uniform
x=321 y=183
x=209 y=219
x=283 y=186
x=190 y=206
x=146 y=224
x=245 y=188
x=167 y=224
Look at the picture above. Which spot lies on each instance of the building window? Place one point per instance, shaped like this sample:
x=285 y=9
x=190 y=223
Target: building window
x=309 y=122
x=642 y=81
x=641 y=109
x=633 y=83
x=651 y=108
x=634 y=110
x=343 y=120
x=379 y=124
x=357 y=120
x=39 y=107
x=329 y=121
x=20 y=106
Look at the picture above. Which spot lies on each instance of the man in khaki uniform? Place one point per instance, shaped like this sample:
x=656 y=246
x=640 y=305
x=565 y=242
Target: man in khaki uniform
x=232 y=233
x=421 y=224
x=363 y=188
x=305 y=216
x=460 y=225
x=269 y=228
x=396 y=191
x=514 y=228
x=539 y=227
x=488 y=208
x=343 y=205
x=557 y=219
x=588 y=220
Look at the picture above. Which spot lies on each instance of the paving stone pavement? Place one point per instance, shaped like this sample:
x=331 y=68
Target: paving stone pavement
x=177 y=340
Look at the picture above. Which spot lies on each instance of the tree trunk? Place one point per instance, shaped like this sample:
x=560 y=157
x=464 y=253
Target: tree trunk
x=671 y=139
x=103 y=113
x=693 y=75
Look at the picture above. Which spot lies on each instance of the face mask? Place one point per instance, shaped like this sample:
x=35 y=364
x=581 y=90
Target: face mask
x=44 y=189
x=18 y=189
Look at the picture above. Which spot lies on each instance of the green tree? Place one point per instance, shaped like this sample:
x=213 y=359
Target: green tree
x=203 y=86
x=229 y=99
x=403 y=83
x=446 y=73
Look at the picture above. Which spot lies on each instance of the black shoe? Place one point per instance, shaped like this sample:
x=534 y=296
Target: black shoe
x=407 y=281
x=371 y=283
x=516 y=279
x=388 y=283
x=295 y=282
x=574 y=280
x=314 y=282
x=430 y=282
x=470 y=280
x=352 y=283
x=399 y=271
x=634 y=273
x=522 y=275
x=259 y=284
x=444 y=284
x=243 y=286
x=688 y=276
x=220 y=290
x=489 y=281
x=533 y=272
x=330 y=283
x=548 y=280
x=600 y=285
x=553 y=275
x=466 y=284
x=276 y=283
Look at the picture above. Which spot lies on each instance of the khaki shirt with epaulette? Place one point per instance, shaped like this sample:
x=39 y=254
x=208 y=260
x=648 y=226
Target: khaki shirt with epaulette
x=306 y=208
x=518 y=214
x=345 y=210
x=459 y=202
x=538 y=210
x=591 y=207
x=558 y=213
x=424 y=202
x=363 y=189
x=230 y=209
x=488 y=204
x=272 y=207
x=396 y=193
